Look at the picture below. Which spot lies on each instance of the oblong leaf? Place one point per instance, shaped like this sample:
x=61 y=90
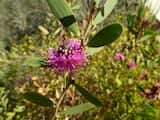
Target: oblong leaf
x=92 y=51
x=88 y=95
x=108 y=7
x=34 y=61
x=63 y=12
x=106 y=36
x=78 y=109
x=145 y=38
x=38 y=99
x=68 y=20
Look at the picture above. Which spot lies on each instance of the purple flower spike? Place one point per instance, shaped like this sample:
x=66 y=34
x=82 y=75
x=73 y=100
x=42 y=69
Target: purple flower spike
x=131 y=64
x=119 y=56
x=69 y=56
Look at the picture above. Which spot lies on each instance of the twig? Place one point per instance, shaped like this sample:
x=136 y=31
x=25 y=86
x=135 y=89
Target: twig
x=60 y=101
x=89 y=25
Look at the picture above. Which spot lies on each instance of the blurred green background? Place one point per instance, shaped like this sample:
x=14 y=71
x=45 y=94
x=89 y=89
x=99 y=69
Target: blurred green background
x=28 y=28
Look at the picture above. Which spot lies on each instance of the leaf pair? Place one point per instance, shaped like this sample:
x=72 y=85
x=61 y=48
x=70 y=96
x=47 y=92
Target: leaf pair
x=41 y=100
x=107 y=35
x=44 y=101
x=94 y=102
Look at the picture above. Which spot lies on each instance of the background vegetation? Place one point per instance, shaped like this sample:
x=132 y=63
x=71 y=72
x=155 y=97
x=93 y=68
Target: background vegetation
x=29 y=29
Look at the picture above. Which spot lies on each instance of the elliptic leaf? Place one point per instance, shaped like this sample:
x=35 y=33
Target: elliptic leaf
x=78 y=109
x=88 y=95
x=106 y=36
x=38 y=99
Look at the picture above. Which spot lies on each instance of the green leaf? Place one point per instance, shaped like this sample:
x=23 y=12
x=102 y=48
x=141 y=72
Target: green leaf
x=78 y=109
x=139 y=87
x=108 y=7
x=19 y=109
x=97 y=2
x=88 y=95
x=131 y=20
x=128 y=99
x=38 y=99
x=106 y=36
x=2 y=84
x=68 y=20
x=32 y=61
x=63 y=12
x=92 y=50
x=157 y=38
x=141 y=11
x=145 y=38
x=149 y=112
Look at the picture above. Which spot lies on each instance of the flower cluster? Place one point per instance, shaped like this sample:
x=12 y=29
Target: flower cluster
x=69 y=56
x=121 y=57
x=131 y=64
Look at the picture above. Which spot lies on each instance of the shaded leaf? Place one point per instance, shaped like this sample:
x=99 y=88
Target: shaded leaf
x=106 y=36
x=68 y=20
x=108 y=7
x=128 y=99
x=63 y=12
x=139 y=88
x=88 y=95
x=38 y=99
x=78 y=109
x=2 y=84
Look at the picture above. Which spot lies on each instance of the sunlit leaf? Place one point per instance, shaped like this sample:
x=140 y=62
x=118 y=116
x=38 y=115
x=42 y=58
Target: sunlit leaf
x=92 y=50
x=108 y=7
x=97 y=2
x=38 y=99
x=19 y=109
x=63 y=12
x=88 y=95
x=145 y=38
x=34 y=61
x=78 y=109
x=106 y=36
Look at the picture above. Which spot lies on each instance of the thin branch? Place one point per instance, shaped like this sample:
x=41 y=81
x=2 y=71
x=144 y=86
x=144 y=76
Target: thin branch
x=60 y=101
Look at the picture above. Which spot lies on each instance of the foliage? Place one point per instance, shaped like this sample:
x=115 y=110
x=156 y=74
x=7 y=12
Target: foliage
x=114 y=84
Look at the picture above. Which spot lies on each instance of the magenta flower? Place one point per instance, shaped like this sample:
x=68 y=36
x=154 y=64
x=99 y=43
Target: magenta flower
x=131 y=64
x=69 y=56
x=119 y=56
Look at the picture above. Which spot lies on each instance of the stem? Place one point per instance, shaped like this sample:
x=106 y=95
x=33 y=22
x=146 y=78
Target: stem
x=60 y=100
x=89 y=25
